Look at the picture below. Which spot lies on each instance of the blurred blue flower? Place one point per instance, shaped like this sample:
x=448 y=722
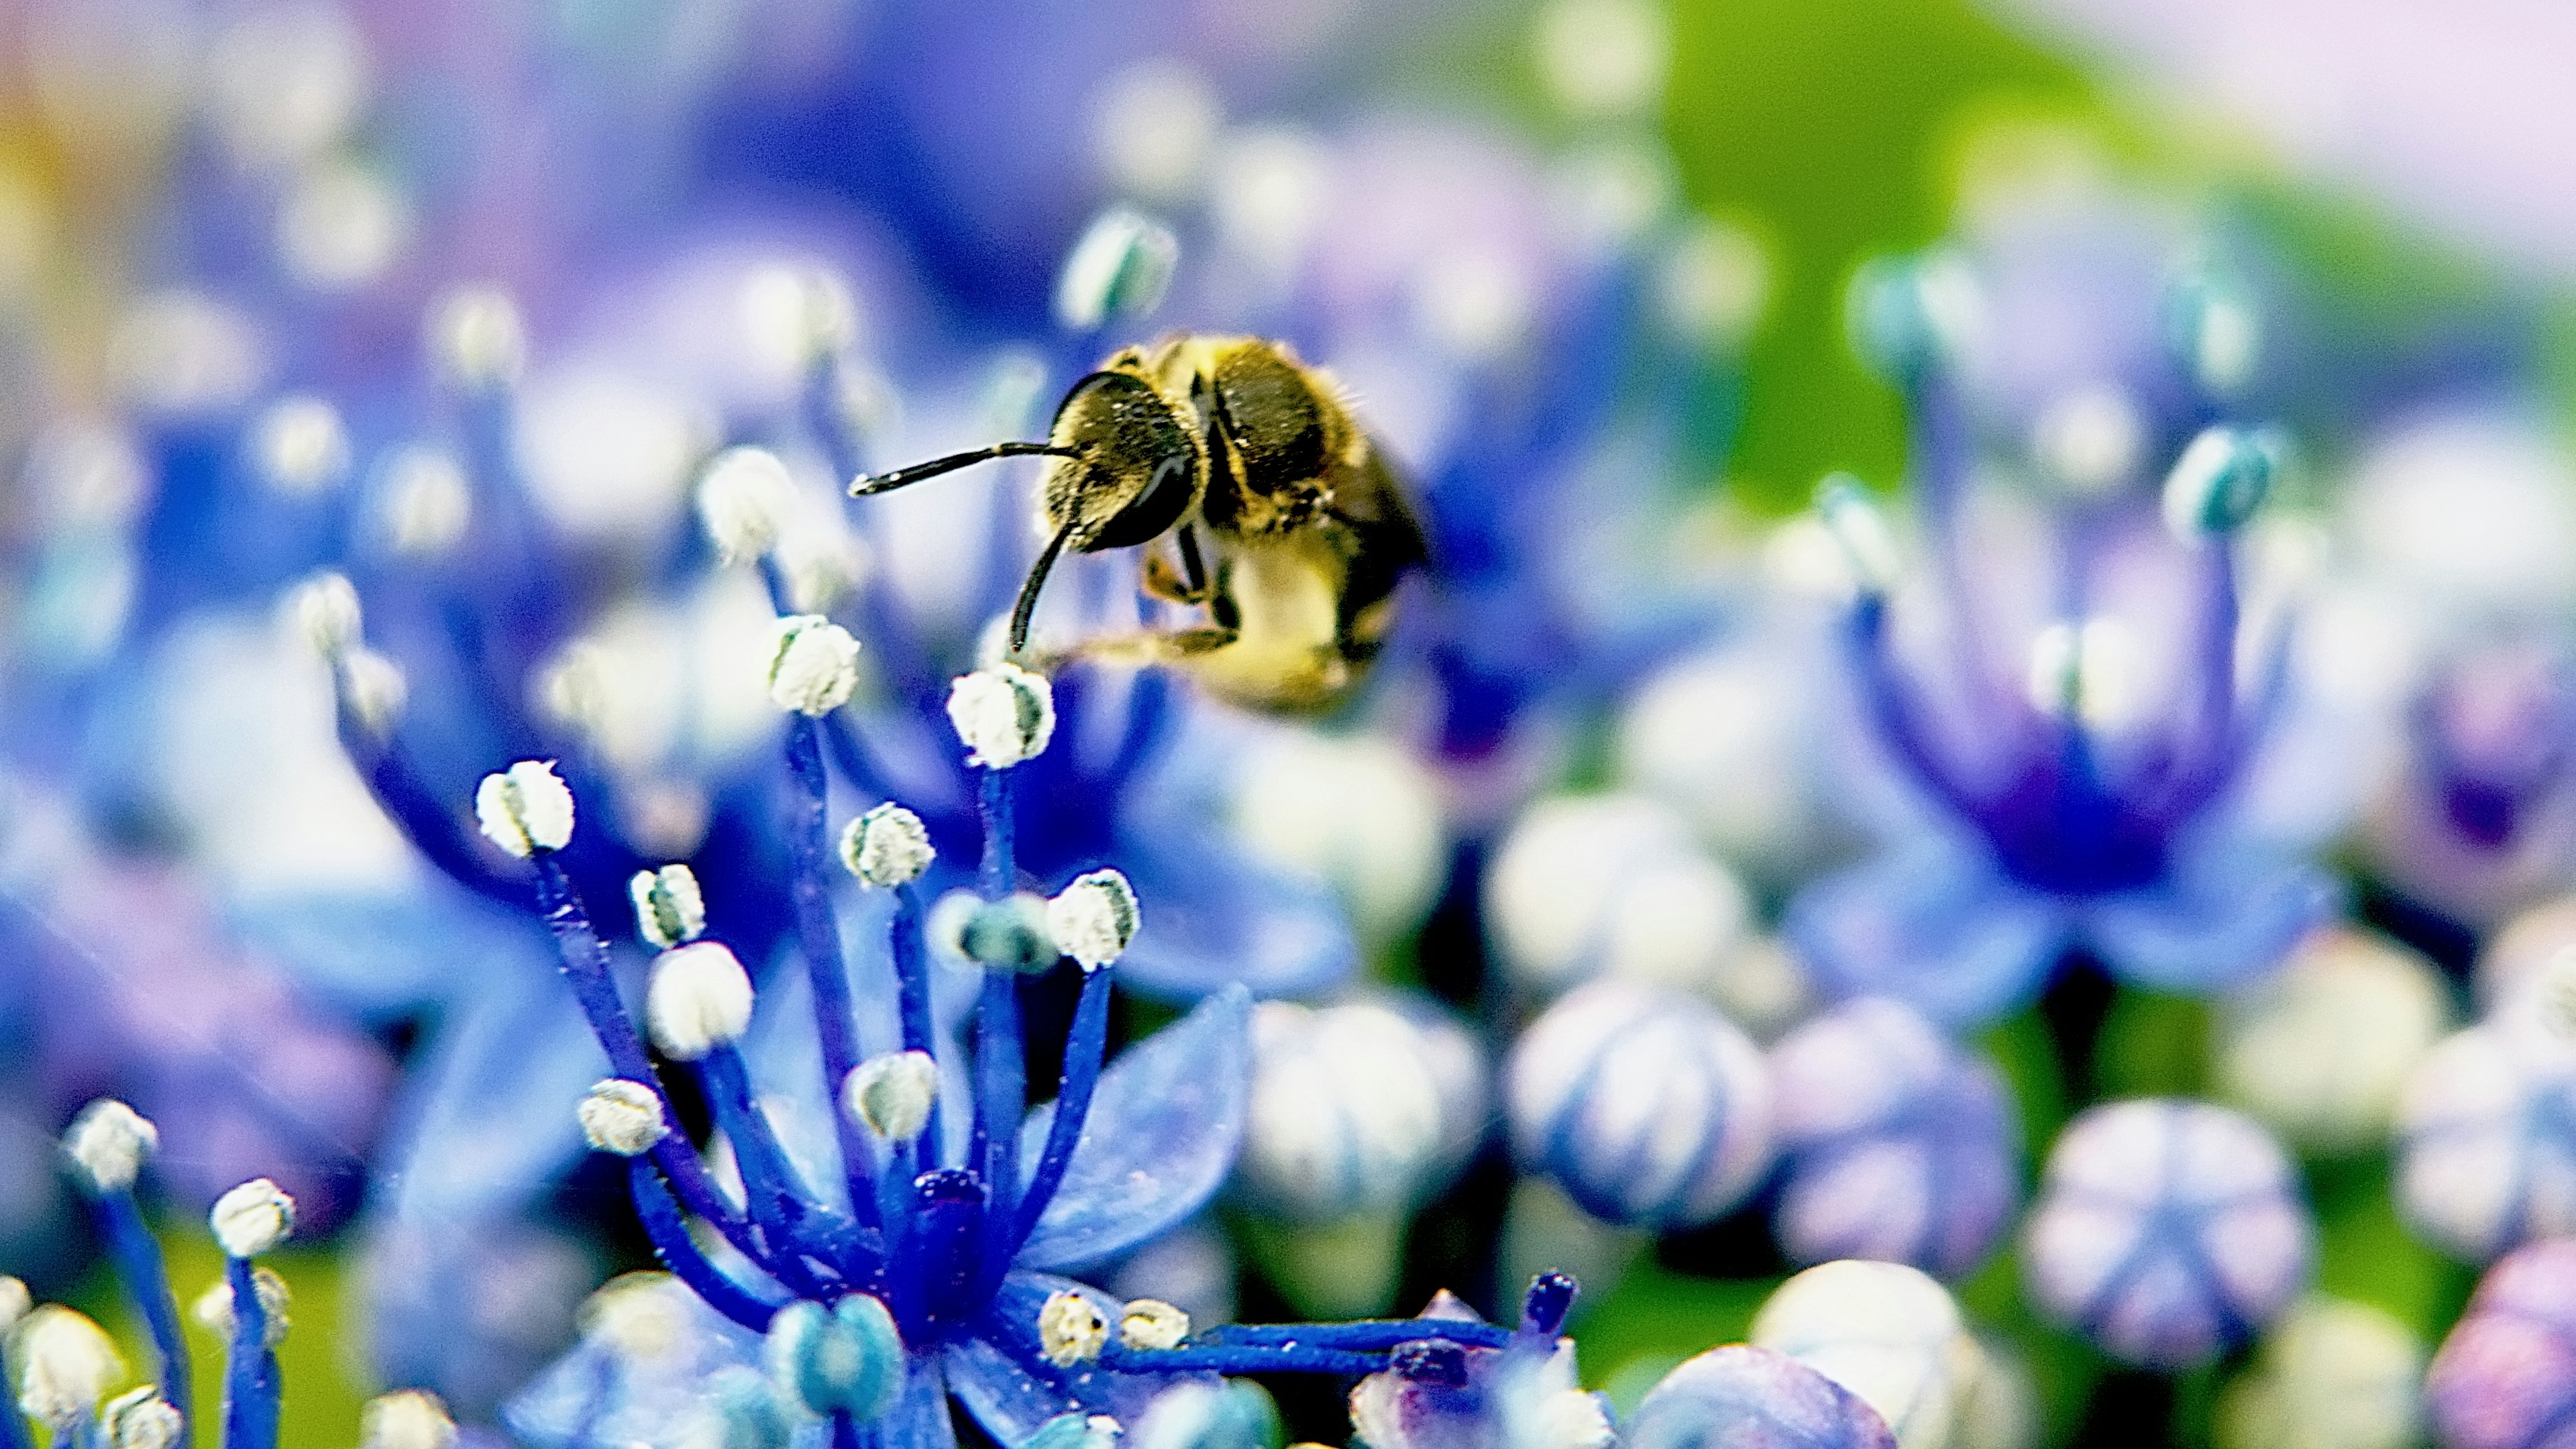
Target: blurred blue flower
x=2506 y=1374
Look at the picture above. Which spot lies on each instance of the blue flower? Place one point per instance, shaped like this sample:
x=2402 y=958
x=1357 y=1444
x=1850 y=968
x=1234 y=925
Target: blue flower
x=2084 y=784
x=1742 y=1397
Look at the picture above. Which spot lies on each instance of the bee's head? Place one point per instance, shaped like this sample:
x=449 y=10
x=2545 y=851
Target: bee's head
x=1130 y=465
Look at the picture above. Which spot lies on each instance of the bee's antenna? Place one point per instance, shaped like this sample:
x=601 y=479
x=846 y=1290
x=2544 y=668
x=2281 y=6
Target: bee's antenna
x=1028 y=604
x=868 y=484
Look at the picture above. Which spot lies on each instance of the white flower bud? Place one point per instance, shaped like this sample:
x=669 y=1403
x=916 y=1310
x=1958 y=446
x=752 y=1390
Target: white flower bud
x=622 y=1117
x=65 y=1363
x=214 y=1307
x=374 y=689
x=2320 y=1049
x=1003 y=714
x=140 y=1419
x=668 y=909
x=1152 y=1323
x=1071 y=1329
x=1362 y=1107
x=407 y=1419
x=813 y=666
x=1859 y=527
x=477 y=339
x=1886 y=1332
x=300 y=446
x=325 y=610
x=1120 y=268
x=108 y=1142
x=525 y=808
x=252 y=1218
x=892 y=1094
x=14 y=1302
x=699 y=999
x=1093 y=919
x=887 y=847
x=1611 y=885
x=742 y=500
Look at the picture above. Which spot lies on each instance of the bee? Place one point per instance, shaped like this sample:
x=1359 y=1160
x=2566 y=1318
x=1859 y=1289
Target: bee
x=1283 y=520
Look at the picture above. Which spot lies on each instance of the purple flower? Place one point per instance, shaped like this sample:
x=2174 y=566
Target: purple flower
x=2506 y=1375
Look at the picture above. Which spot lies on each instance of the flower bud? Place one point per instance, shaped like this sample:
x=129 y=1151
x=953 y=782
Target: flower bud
x=1611 y=885
x=668 y=909
x=108 y=1142
x=623 y=1117
x=2165 y=1230
x=813 y=666
x=2483 y=1134
x=1004 y=715
x=2320 y=1050
x=699 y=999
x=1859 y=528
x=1648 y=1107
x=1094 y=918
x=892 y=1094
x=743 y=500
x=65 y=1363
x=1071 y=1329
x=848 y=1360
x=214 y=1307
x=326 y=612
x=1359 y=1107
x=2219 y=481
x=1886 y=1332
x=2506 y=1375
x=406 y=1419
x=1741 y=1395
x=1895 y=1145
x=2331 y=1375
x=140 y=1419
x=1119 y=269
x=525 y=808
x=887 y=847
x=1356 y=810
x=1150 y=1323
x=252 y=1218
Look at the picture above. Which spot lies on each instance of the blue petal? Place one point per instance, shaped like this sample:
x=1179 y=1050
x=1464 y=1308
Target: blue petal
x=597 y=1393
x=920 y=1419
x=388 y=953
x=1936 y=927
x=2218 y=922
x=1010 y=1399
x=1216 y=917
x=1158 y=1142
x=488 y=1118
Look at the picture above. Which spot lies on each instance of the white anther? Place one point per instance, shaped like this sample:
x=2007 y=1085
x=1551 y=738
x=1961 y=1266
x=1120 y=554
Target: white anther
x=252 y=1218
x=1003 y=714
x=477 y=339
x=374 y=689
x=623 y=1117
x=1859 y=529
x=65 y=1363
x=641 y=1315
x=2086 y=672
x=887 y=847
x=326 y=612
x=2220 y=480
x=1713 y=284
x=2090 y=439
x=1070 y=1329
x=341 y=226
x=1153 y=126
x=795 y=316
x=426 y=504
x=1603 y=58
x=108 y=1142
x=406 y=1419
x=892 y=1094
x=1153 y=1324
x=699 y=999
x=1094 y=918
x=668 y=908
x=214 y=1307
x=525 y=808
x=743 y=500
x=822 y=566
x=1120 y=268
x=140 y=1419
x=813 y=665
x=300 y=446
x=14 y=1303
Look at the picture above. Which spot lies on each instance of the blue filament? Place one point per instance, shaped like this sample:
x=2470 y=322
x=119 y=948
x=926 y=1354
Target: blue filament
x=139 y=1266
x=251 y=1386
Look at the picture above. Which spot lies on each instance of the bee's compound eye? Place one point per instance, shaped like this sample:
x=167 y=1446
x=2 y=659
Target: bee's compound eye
x=1153 y=512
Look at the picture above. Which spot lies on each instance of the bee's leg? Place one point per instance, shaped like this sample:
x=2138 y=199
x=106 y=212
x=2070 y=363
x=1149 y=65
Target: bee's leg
x=1190 y=584
x=1148 y=647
